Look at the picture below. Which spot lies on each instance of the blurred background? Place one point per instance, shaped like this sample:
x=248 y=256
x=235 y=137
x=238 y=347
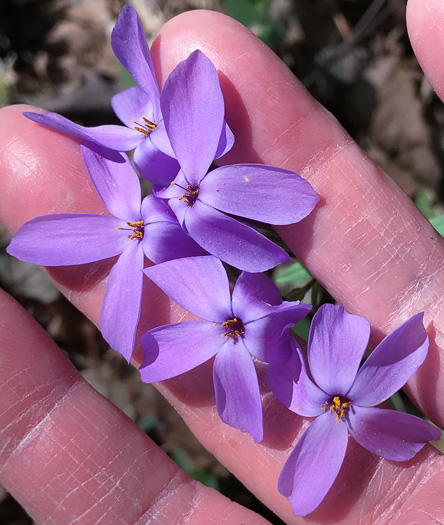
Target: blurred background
x=355 y=58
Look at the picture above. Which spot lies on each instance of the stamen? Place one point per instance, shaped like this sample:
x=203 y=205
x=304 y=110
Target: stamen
x=146 y=128
x=136 y=227
x=191 y=193
x=235 y=328
x=338 y=406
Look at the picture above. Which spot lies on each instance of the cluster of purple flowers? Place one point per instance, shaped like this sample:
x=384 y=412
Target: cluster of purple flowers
x=186 y=227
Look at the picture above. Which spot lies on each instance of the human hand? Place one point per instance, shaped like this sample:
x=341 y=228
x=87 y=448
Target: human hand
x=363 y=225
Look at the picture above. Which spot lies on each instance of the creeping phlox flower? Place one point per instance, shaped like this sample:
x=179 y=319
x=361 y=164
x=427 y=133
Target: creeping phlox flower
x=343 y=399
x=135 y=228
x=138 y=107
x=254 y=320
x=193 y=110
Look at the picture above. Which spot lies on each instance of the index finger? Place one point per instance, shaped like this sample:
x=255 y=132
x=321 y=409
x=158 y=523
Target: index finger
x=366 y=242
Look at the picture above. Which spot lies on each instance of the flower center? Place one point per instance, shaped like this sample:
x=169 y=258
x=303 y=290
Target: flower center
x=234 y=328
x=136 y=228
x=338 y=405
x=146 y=128
x=191 y=193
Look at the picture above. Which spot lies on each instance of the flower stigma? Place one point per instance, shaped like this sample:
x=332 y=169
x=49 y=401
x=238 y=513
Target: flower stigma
x=136 y=228
x=146 y=128
x=191 y=193
x=338 y=406
x=234 y=328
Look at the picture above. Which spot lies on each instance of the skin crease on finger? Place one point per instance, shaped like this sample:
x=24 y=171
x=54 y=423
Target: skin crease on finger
x=261 y=91
x=71 y=456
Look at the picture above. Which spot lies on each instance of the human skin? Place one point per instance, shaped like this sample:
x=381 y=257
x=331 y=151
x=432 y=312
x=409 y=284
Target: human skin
x=67 y=453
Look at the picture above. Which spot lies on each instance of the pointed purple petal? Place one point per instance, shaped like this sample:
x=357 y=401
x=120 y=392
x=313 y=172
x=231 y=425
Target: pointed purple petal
x=122 y=301
x=157 y=210
x=132 y=105
x=252 y=287
x=155 y=166
x=117 y=185
x=238 y=399
x=262 y=193
x=175 y=190
x=161 y=140
x=119 y=138
x=165 y=241
x=336 y=345
x=193 y=110
x=174 y=349
x=131 y=49
x=231 y=241
x=391 y=364
x=390 y=434
x=290 y=383
x=312 y=467
x=198 y=284
x=268 y=337
x=226 y=141
x=68 y=239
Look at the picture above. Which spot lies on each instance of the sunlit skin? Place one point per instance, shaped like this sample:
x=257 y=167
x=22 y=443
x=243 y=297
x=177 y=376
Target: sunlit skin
x=65 y=450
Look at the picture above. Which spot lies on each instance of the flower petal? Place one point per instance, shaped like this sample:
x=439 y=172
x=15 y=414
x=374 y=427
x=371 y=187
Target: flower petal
x=198 y=284
x=157 y=210
x=65 y=239
x=312 y=467
x=193 y=110
x=131 y=49
x=116 y=183
x=253 y=287
x=122 y=301
x=268 y=337
x=262 y=193
x=388 y=433
x=226 y=141
x=336 y=345
x=290 y=383
x=391 y=363
x=231 y=241
x=238 y=398
x=155 y=166
x=161 y=140
x=119 y=138
x=174 y=349
x=165 y=241
x=134 y=104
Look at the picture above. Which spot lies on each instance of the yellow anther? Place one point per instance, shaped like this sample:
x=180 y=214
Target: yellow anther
x=238 y=328
x=338 y=407
x=136 y=235
x=138 y=224
x=146 y=128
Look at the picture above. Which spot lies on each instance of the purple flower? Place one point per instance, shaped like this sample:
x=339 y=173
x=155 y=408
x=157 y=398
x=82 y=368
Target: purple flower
x=253 y=320
x=138 y=107
x=136 y=228
x=343 y=399
x=204 y=202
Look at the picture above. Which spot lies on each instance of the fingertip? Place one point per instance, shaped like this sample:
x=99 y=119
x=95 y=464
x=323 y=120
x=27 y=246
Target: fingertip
x=42 y=171
x=425 y=20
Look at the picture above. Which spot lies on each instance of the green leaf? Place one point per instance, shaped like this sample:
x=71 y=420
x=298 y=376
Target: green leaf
x=438 y=224
x=203 y=475
x=125 y=78
x=148 y=423
x=295 y=272
x=302 y=328
x=424 y=199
